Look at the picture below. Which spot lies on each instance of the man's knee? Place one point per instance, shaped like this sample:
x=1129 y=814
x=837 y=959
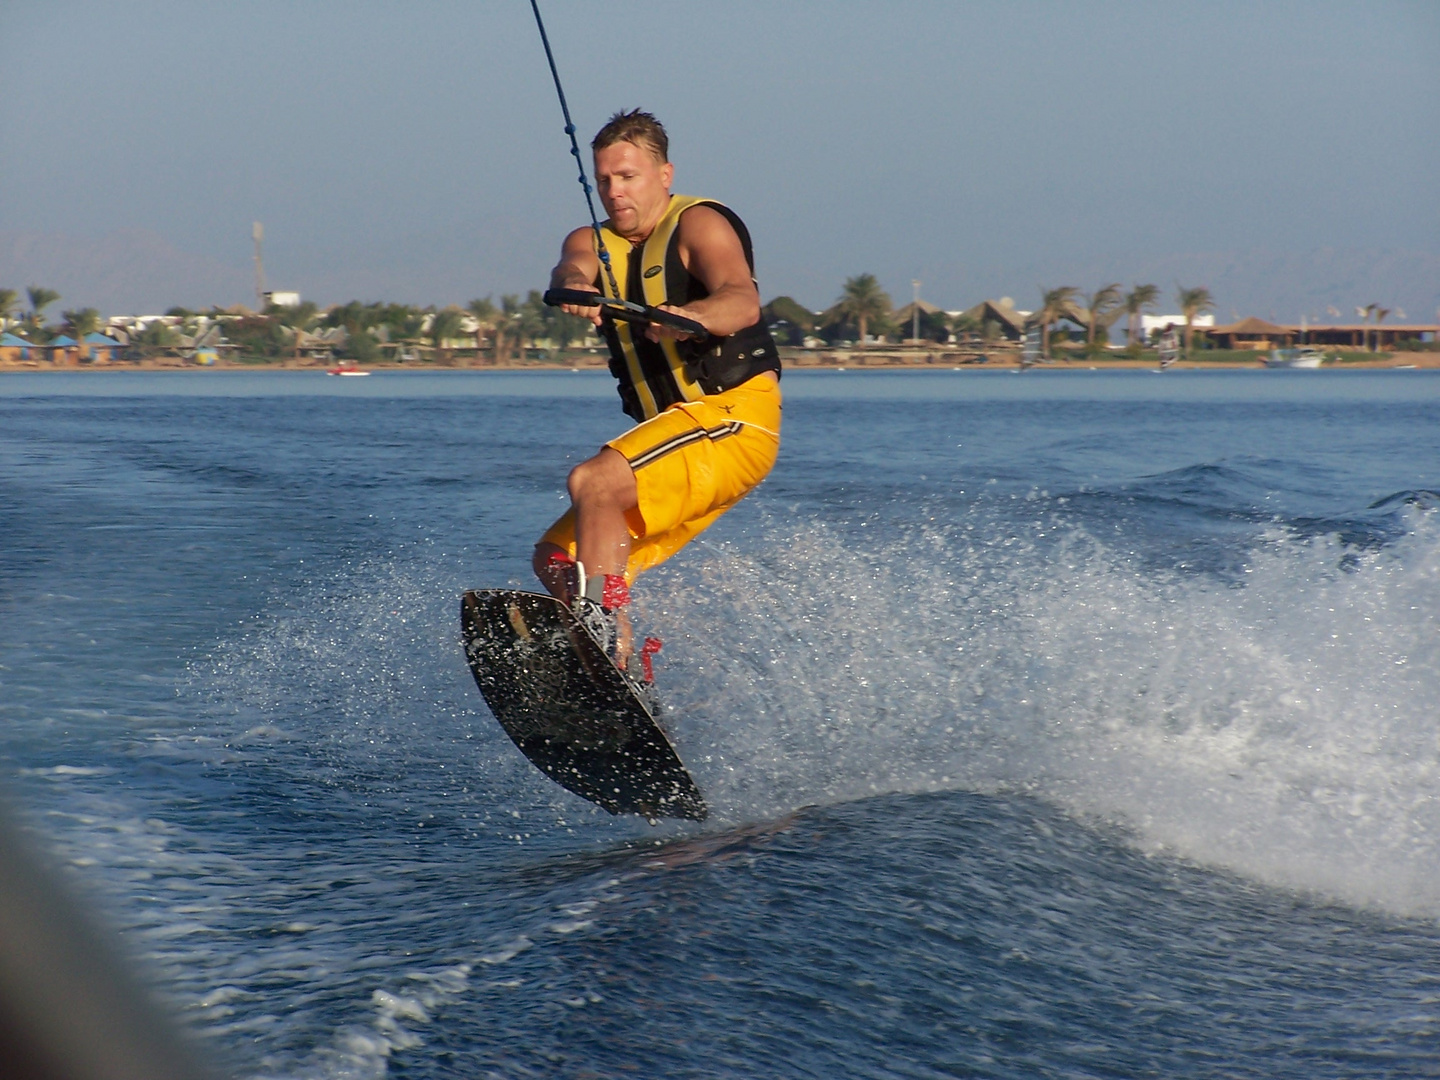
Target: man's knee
x=604 y=478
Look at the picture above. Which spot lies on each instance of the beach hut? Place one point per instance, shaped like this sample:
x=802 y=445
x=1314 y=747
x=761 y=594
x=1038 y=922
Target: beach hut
x=1251 y=333
x=102 y=349
x=62 y=350
x=16 y=350
x=1010 y=322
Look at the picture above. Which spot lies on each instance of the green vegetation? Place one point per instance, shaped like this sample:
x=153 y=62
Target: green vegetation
x=445 y=324
x=934 y=326
x=1192 y=302
x=487 y=318
x=1101 y=310
x=1055 y=304
x=258 y=338
x=79 y=323
x=862 y=302
x=483 y=331
x=1137 y=301
x=40 y=299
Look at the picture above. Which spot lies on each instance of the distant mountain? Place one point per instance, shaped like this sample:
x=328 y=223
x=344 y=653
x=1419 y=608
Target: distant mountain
x=139 y=272
x=132 y=271
x=1275 y=285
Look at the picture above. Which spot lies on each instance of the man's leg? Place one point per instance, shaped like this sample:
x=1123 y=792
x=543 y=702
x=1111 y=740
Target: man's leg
x=602 y=490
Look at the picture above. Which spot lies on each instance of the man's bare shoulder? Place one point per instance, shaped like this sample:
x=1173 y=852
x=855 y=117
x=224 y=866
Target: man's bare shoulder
x=582 y=238
x=703 y=226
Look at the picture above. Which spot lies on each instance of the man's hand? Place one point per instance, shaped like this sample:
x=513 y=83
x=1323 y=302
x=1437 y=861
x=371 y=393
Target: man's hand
x=584 y=312
x=578 y=269
x=661 y=332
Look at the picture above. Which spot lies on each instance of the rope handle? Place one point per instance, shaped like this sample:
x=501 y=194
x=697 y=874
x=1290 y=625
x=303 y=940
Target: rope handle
x=625 y=310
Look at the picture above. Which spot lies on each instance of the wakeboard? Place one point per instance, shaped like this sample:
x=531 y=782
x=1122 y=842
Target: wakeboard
x=569 y=709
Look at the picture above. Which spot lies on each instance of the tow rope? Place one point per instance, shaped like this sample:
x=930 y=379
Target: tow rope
x=614 y=305
x=575 y=151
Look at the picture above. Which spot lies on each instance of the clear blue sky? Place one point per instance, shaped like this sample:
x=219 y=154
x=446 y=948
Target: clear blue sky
x=414 y=151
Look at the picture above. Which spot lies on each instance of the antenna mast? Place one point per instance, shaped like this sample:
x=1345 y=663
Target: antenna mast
x=257 y=231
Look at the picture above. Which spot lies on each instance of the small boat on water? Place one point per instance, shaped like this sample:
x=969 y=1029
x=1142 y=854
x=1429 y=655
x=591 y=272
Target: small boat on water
x=344 y=370
x=1295 y=358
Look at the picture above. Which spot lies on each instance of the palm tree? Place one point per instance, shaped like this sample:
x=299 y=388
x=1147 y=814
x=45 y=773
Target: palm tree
x=1192 y=302
x=1363 y=314
x=1055 y=304
x=484 y=314
x=40 y=299
x=8 y=299
x=863 y=300
x=1102 y=307
x=1136 y=301
x=530 y=323
x=446 y=324
x=509 y=320
x=563 y=329
x=1380 y=313
x=78 y=324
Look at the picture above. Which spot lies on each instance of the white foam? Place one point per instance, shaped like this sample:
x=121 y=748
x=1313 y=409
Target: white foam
x=60 y=771
x=1282 y=726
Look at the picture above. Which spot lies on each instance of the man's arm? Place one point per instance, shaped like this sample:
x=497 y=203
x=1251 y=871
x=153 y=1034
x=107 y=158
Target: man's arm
x=711 y=250
x=577 y=269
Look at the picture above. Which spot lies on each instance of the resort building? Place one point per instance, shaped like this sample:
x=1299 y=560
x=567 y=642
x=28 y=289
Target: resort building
x=1380 y=336
x=1253 y=333
x=1150 y=325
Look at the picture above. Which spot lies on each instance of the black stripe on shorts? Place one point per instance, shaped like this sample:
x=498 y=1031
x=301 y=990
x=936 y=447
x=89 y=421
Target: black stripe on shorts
x=655 y=453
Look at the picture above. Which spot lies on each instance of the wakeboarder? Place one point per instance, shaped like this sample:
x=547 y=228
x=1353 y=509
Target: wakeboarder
x=707 y=406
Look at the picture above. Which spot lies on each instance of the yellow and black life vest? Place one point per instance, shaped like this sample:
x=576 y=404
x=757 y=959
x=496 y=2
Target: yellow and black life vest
x=654 y=375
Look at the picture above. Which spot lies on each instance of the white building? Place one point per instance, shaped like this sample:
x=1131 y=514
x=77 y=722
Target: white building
x=1152 y=324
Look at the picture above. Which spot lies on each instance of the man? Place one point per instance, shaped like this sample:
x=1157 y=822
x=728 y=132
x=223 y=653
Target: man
x=708 y=407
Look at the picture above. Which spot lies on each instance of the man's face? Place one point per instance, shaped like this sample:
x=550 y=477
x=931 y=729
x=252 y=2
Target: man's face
x=634 y=187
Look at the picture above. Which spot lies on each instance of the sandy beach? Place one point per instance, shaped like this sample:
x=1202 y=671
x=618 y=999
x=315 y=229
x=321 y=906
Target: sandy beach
x=791 y=358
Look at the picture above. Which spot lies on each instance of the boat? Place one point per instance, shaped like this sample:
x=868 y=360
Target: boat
x=1295 y=358
x=344 y=370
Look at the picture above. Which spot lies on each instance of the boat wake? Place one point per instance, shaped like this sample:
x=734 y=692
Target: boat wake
x=1280 y=724
x=1272 y=715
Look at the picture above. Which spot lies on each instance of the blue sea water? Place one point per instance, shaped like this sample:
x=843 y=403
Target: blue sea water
x=1053 y=725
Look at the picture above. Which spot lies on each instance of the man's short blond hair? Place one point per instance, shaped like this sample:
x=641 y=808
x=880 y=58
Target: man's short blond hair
x=637 y=127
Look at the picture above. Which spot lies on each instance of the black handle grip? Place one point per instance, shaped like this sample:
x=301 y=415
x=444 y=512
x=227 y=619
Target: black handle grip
x=624 y=310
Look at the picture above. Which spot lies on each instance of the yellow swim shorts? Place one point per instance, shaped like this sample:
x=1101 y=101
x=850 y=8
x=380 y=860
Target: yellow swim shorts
x=692 y=463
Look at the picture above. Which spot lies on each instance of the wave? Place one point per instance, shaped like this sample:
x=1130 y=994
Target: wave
x=1280 y=725
x=1276 y=719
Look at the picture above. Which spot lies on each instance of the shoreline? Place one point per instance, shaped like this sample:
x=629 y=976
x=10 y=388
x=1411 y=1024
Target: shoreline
x=791 y=360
